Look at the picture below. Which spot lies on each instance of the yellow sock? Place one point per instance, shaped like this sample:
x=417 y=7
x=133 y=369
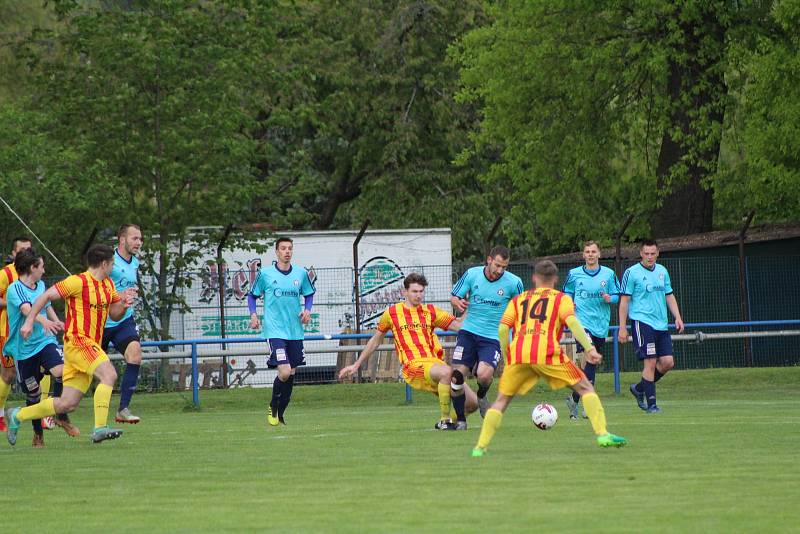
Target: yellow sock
x=490 y=425
x=44 y=386
x=444 y=399
x=102 y=398
x=5 y=389
x=597 y=416
x=37 y=411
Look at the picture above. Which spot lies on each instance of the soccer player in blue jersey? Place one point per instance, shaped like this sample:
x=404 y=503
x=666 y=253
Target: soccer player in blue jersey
x=124 y=334
x=281 y=285
x=645 y=295
x=40 y=350
x=593 y=289
x=484 y=290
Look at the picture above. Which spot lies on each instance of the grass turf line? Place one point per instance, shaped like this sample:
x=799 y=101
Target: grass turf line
x=355 y=458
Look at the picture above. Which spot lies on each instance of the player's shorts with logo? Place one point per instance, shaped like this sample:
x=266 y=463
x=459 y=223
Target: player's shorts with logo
x=5 y=361
x=598 y=343
x=417 y=374
x=519 y=378
x=81 y=357
x=121 y=335
x=650 y=343
x=286 y=351
x=29 y=370
x=472 y=349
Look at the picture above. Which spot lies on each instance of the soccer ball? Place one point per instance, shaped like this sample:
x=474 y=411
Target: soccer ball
x=544 y=416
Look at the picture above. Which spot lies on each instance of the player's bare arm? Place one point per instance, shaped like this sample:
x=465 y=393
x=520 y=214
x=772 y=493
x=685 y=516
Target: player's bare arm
x=38 y=305
x=672 y=304
x=117 y=309
x=622 y=334
x=372 y=345
x=459 y=303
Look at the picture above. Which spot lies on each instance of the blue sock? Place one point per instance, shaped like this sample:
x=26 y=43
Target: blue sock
x=575 y=397
x=649 y=392
x=57 y=385
x=277 y=389
x=129 y=379
x=657 y=376
x=36 y=423
x=590 y=370
x=286 y=396
x=458 y=405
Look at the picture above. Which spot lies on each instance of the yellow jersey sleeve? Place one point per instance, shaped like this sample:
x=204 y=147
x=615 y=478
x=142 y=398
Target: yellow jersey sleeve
x=442 y=319
x=565 y=308
x=385 y=323
x=70 y=286
x=509 y=317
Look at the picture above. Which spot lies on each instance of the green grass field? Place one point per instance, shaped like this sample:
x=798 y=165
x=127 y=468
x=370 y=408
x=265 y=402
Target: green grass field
x=723 y=457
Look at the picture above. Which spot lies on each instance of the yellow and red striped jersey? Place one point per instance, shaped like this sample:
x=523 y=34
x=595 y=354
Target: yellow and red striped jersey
x=413 y=330
x=8 y=275
x=87 y=302
x=538 y=317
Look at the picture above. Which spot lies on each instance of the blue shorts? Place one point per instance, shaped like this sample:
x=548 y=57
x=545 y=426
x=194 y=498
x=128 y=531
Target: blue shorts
x=121 y=335
x=650 y=343
x=598 y=342
x=286 y=351
x=472 y=348
x=29 y=370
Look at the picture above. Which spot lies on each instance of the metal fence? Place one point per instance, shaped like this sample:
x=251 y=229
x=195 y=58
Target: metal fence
x=707 y=291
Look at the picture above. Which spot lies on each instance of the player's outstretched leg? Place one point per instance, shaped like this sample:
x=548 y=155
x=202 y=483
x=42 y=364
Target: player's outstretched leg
x=597 y=416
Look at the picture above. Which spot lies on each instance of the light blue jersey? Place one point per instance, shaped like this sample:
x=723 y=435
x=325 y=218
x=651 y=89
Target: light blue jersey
x=124 y=276
x=648 y=289
x=17 y=347
x=487 y=299
x=587 y=289
x=282 y=291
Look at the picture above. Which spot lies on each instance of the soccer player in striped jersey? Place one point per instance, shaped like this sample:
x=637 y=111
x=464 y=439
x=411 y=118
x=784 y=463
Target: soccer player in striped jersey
x=646 y=293
x=538 y=317
x=593 y=288
x=124 y=334
x=90 y=297
x=40 y=351
x=281 y=285
x=8 y=275
x=412 y=324
x=485 y=290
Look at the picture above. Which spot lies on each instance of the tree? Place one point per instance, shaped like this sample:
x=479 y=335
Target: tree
x=158 y=97
x=608 y=108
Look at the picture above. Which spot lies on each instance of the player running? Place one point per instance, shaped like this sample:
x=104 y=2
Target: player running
x=124 y=334
x=90 y=297
x=40 y=351
x=593 y=288
x=412 y=323
x=538 y=317
x=485 y=290
x=282 y=284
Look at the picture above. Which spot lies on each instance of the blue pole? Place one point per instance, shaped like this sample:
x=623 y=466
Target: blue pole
x=195 y=378
x=408 y=394
x=615 y=341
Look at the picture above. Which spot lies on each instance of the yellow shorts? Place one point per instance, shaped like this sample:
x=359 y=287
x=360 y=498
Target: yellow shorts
x=81 y=358
x=6 y=362
x=519 y=378
x=417 y=374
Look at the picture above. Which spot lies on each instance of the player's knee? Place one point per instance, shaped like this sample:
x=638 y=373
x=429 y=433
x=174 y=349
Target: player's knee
x=485 y=376
x=284 y=374
x=666 y=365
x=65 y=405
x=7 y=375
x=134 y=355
x=583 y=387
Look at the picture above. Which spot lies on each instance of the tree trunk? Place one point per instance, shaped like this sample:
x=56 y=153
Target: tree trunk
x=690 y=146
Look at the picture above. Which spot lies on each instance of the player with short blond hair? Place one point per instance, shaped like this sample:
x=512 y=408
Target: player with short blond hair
x=538 y=317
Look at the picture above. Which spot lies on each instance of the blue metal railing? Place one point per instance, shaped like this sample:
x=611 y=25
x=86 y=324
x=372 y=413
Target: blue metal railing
x=193 y=344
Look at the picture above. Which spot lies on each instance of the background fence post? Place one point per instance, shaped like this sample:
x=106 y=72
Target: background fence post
x=195 y=378
x=743 y=297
